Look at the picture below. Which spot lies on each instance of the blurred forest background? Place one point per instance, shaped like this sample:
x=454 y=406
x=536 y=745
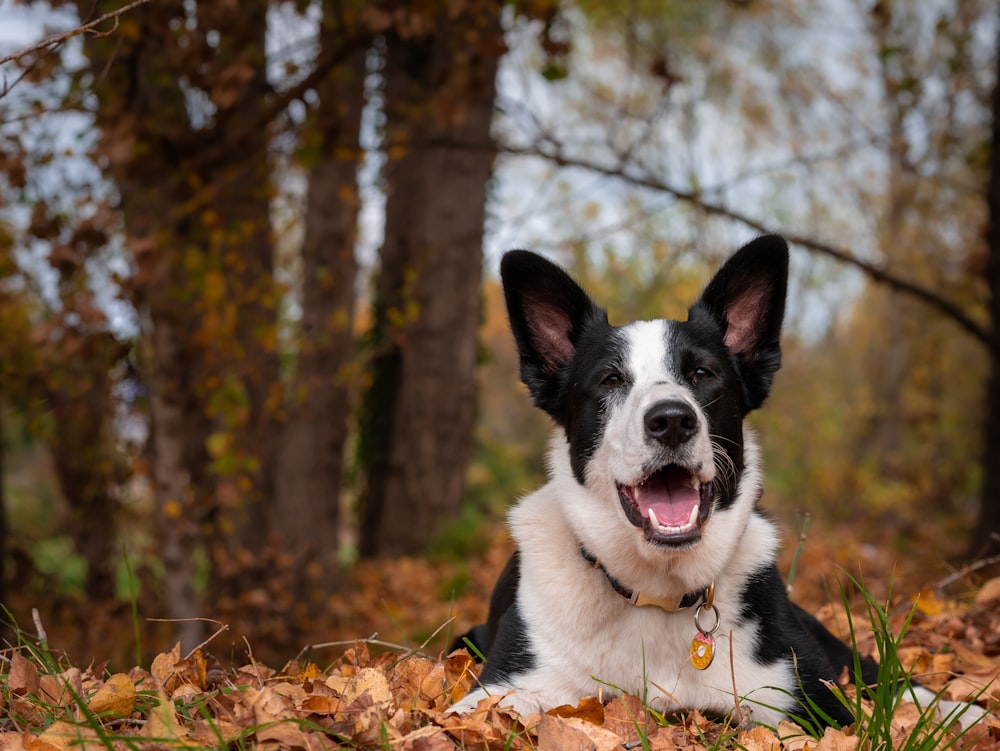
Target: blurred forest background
x=254 y=363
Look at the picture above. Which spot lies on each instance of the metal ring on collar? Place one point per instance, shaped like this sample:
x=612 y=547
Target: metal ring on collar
x=697 y=619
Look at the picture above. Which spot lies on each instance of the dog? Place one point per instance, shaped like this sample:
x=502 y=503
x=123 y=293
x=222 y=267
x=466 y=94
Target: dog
x=645 y=564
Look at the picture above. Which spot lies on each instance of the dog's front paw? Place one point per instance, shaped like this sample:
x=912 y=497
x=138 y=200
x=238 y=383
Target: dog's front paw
x=523 y=703
x=469 y=702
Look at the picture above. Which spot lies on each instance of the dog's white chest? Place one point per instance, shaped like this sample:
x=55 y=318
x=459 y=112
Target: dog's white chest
x=591 y=640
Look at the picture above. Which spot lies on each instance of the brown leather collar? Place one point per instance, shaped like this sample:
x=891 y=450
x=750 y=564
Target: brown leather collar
x=669 y=604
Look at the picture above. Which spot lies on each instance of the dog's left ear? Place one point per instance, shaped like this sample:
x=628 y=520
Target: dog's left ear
x=746 y=298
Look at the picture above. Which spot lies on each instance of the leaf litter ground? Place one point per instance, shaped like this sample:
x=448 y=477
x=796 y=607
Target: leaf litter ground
x=371 y=696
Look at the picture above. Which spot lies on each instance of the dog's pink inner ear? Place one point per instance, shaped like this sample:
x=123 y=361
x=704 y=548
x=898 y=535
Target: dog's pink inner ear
x=550 y=329
x=743 y=321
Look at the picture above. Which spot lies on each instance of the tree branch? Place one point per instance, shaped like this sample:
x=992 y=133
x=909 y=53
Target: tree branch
x=875 y=272
x=58 y=39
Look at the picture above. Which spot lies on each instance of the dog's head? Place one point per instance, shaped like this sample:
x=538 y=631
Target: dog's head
x=653 y=410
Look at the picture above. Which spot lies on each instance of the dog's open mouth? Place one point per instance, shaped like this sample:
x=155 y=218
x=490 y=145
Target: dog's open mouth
x=670 y=505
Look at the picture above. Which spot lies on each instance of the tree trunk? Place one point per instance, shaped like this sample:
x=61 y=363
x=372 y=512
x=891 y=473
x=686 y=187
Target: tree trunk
x=986 y=536
x=7 y=635
x=193 y=177
x=174 y=508
x=418 y=413
x=241 y=251
x=143 y=118
x=312 y=451
x=84 y=455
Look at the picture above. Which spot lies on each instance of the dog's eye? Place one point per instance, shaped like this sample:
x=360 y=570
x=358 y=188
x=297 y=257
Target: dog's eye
x=613 y=380
x=700 y=374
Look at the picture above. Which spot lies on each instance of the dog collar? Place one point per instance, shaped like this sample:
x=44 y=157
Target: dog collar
x=669 y=604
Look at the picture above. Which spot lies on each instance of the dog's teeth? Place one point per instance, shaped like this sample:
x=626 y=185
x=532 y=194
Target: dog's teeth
x=660 y=526
x=654 y=520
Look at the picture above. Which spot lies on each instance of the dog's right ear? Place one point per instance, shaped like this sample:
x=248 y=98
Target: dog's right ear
x=548 y=312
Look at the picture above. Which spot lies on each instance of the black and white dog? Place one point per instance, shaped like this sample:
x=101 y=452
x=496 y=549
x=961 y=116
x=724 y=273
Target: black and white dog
x=645 y=564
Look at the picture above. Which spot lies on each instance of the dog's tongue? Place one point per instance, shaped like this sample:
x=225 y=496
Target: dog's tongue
x=670 y=496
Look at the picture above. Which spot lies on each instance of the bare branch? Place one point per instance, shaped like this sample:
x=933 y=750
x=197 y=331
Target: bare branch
x=57 y=39
x=875 y=272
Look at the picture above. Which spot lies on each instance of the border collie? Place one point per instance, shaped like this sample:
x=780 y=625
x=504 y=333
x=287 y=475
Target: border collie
x=644 y=565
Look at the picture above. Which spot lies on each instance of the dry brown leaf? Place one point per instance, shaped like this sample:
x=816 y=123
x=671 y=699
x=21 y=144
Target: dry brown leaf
x=626 y=717
x=12 y=741
x=431 y=683
x=285 y=732
x=975 y=686
x=489 y=724
x=758 y=738
x=34 y=743
x=793 y=737
x=116 y=697
x=22 y=679
x=914 y=660
x=671 y=737
x=65 y=735
x=325 y=705
x=26 y=712
x=461 y=675
x=216 y=733
x=185 y=692
x=372 y=682
x=268 y=705
x=164 y=670
x=837 y=740
x=557 y=733
x=970 y=660
x=989 y=591
x=427 y=738
x=310 y=673
x=163 y=725
x=52 y=690
x=590 y=709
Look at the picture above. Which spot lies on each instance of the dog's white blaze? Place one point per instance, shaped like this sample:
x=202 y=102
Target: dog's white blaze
x=625 y=452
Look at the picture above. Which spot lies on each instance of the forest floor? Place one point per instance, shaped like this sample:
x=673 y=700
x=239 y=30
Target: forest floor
x=377 y=675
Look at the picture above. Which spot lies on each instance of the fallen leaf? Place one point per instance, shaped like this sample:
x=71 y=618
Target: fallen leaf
x=163 y=725
x=325 y=705
x=368 y=681
x=12 y=741
x=116 y=697
x=427 y=738
x=590 y=709
x=975 y=686
x=65 y=735
x=837 y=740
x=22 y=679
x=216 y=733
x=793 y=737
x=164 y=670
x=989 y=591
x=626 y=717
x=574 y=734
x=758 y=738
x=927 y=602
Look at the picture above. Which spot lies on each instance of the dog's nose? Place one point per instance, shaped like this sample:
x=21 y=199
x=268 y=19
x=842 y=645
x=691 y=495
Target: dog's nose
x=671 y=422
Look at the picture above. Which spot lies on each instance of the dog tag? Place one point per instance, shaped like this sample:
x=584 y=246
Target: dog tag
x=702 y=650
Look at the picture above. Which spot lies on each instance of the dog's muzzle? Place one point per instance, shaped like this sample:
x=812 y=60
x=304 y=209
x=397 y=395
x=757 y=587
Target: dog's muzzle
x=670 y=506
